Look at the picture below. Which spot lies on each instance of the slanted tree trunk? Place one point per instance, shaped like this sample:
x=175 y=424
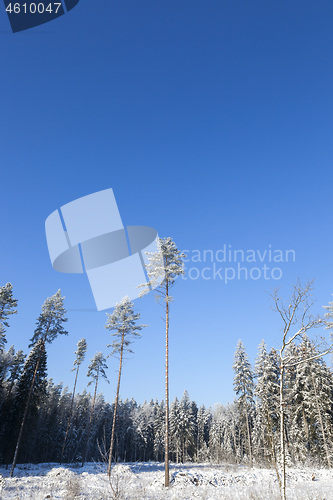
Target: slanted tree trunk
x=166 y=479
x=70 y=416
x=116 y=404
x=90 y=419
x=25 y=413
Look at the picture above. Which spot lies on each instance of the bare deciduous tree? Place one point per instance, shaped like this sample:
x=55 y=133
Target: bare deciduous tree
x=297 y=320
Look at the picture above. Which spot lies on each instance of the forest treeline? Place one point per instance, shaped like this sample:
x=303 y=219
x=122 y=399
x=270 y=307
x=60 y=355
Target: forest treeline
x=223 y=433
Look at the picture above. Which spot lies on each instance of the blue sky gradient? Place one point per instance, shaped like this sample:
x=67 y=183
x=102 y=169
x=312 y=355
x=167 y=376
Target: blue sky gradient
x=212 y=122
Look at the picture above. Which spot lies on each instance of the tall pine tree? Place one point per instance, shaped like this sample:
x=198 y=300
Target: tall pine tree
x=122 y=324
x=164 y=267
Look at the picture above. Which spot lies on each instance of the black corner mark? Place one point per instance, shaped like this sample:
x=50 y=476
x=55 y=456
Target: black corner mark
x=26 y=14
x=70 y=4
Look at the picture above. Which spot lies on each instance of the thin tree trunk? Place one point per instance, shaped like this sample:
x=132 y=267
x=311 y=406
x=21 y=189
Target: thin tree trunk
x=282 y=439
x=271 y=440
x=91 y=414
x=305 y=424
x=235 y=443
x=116 y=404
x=248 y=429
x=166 y=480
x=25 y=414
x=321 y=423
x=70 y=416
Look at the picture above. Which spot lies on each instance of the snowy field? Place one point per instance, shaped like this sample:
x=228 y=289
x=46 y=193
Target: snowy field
x=145 y=481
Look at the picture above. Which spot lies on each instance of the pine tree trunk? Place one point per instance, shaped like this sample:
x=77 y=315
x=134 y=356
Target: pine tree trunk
x=25 y=415
x=116 y=405
x=321 y=424
x=282 y=439
x=70 y=417
x=91 y=414
x=166 y=479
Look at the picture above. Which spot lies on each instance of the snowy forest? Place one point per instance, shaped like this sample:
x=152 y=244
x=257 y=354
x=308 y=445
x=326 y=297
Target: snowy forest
x=61 y=425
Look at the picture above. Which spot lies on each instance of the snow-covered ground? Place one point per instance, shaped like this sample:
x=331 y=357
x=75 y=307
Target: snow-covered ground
x=144 y=481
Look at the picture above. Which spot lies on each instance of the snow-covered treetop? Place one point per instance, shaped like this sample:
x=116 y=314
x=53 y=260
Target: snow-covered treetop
x=297 y=320
x=49 y=322
x=243 y=380
x=328 y=318
x=164 y=266
x=122 y=324
x=80 y=352
x=7 y=307
x=97 y=368
x=261 y=360
x=16 y=365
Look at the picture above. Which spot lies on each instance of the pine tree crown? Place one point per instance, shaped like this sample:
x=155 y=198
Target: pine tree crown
x=49 y=322
x=97 y=368
x=80 y=353
x=122 y=324
x=163 y=268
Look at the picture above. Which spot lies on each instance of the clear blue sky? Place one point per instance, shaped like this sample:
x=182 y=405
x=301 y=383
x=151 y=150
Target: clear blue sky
x=212 y=121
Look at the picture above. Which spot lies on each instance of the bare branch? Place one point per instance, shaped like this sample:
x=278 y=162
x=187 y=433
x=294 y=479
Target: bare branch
x=316 y=356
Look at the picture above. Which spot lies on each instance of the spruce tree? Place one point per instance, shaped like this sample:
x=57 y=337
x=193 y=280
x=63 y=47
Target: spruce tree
x=49 y=326
x=6 y=361
x=14 y=364
x=312 y=399
x=31 y=389
x=243 y=386
x=202 y=438
x=7 y=307
x=159 y=430
x=15 y=370
x=48 y=436
x=175 y=430
x=187 y=425
x=164 y=267
x=267 y=403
